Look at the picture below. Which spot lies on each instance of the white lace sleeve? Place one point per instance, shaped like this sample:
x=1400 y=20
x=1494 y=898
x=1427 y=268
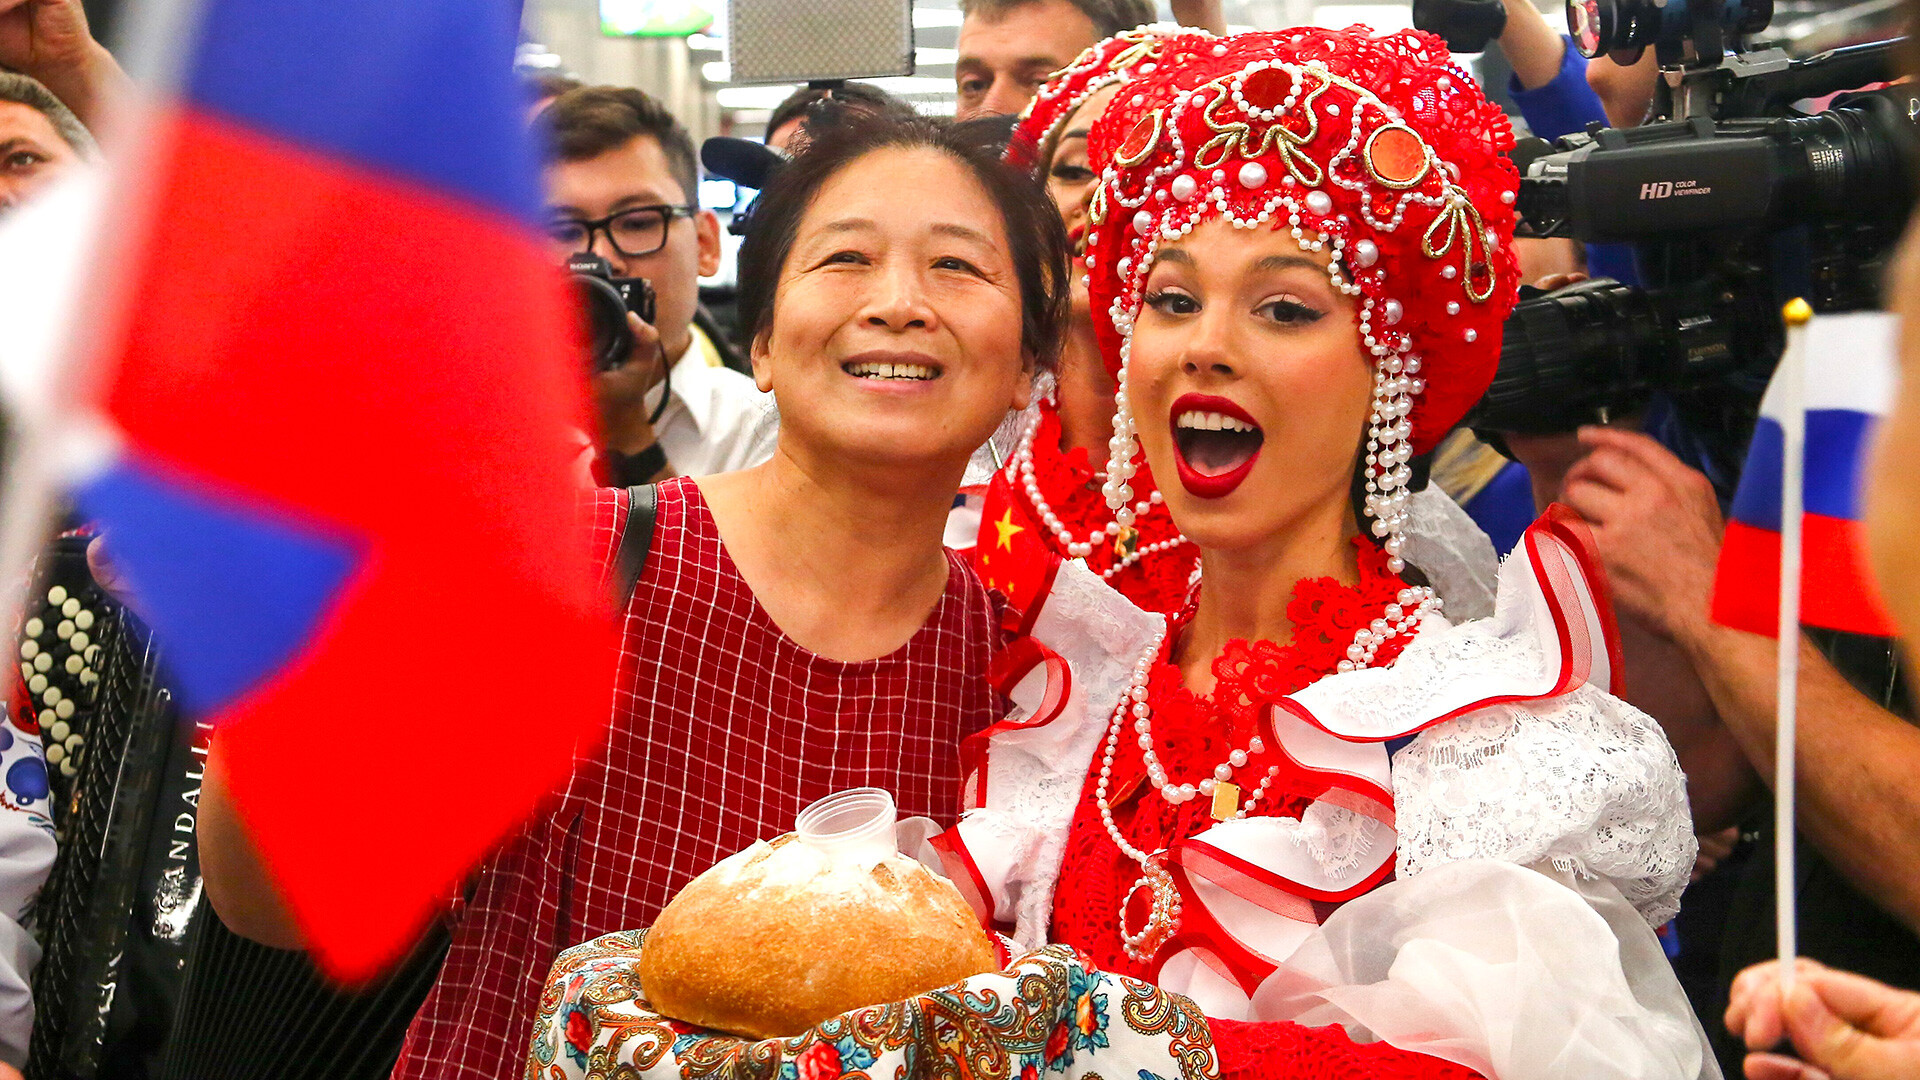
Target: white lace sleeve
x=1584 y=781
x=1454 y=552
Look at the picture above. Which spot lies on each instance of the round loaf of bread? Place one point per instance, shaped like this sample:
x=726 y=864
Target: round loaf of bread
x=781 y=936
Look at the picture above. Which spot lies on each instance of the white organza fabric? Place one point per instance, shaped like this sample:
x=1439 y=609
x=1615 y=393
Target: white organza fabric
x=1519 y=973
x=1453 y=552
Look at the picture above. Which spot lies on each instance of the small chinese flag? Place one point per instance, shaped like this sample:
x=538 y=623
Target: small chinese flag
x=1011 y=555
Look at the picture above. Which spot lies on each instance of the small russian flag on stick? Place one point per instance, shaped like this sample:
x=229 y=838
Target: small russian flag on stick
x=1794 y=552
x=1848 y=385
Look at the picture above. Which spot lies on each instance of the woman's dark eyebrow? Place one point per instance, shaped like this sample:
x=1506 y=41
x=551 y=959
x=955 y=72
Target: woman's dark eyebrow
x=961 y=232
x=1175 y=255
x=1286 y=262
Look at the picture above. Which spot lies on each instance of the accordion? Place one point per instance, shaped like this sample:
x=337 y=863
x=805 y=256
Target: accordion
x=139 y=978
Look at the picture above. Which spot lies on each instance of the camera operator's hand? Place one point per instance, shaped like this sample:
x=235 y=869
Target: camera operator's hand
x=1845 y=1026
x=1656 y=523
x=620 y=397
x=50 y=41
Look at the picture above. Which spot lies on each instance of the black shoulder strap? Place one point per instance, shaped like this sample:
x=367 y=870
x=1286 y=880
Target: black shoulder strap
x=642 y=502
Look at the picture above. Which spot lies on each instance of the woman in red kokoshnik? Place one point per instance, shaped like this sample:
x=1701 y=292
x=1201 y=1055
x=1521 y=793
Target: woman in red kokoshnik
x=1049 y=501
x=1365 y=840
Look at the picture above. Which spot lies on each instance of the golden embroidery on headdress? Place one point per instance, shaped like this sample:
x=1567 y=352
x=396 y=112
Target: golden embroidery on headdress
x=1461 y=220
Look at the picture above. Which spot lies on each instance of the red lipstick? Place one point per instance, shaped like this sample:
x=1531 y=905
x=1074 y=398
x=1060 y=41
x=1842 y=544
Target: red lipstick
x=1209 y=485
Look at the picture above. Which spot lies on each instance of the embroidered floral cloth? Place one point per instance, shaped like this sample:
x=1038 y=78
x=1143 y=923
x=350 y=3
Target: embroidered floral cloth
x=1048 y=1015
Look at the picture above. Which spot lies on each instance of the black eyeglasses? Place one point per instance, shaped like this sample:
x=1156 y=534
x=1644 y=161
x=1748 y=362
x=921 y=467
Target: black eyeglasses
x=640 y=230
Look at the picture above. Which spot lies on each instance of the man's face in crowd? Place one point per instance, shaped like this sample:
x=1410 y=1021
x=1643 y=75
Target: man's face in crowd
x=633 y=175
x=32 y=153
x=1004 y=59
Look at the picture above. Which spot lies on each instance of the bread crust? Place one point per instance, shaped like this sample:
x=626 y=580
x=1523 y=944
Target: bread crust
x=774 y=939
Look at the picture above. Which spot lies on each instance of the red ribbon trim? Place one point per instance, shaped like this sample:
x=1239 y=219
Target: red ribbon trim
x=965 y=874
x=1567 y=527
x=1014 y=663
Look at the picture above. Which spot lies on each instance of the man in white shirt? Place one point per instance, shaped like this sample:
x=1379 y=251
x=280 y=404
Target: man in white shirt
x=623 y=186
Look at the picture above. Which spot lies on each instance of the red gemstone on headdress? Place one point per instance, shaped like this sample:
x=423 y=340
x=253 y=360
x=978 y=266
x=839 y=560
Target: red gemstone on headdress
x=1397 y=156
x=1267 y=88
x=1141 y=137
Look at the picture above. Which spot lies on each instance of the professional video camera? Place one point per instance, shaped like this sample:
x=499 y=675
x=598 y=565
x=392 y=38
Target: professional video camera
x=1734 y=201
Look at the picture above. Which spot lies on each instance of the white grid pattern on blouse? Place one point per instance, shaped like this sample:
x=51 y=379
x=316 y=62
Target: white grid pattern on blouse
x=723 y=729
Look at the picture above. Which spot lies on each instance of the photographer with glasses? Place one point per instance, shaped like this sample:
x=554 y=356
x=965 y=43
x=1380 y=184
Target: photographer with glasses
x=623 y=186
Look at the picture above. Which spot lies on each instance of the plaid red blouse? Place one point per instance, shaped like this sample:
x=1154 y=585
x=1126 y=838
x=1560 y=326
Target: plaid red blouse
x=723 y=729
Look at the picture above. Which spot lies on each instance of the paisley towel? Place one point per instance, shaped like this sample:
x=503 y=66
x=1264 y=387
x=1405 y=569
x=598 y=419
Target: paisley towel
x=1049 y=1014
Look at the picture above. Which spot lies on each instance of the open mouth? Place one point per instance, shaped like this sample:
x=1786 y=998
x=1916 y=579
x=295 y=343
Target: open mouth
x=891 y=371
x=1215 y=444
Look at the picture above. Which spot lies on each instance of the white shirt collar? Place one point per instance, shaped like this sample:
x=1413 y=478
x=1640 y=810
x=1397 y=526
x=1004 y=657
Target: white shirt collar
x=689 y=382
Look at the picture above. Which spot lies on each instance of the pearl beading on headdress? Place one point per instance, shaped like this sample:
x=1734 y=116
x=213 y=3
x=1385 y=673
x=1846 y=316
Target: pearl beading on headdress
x=1182 y=202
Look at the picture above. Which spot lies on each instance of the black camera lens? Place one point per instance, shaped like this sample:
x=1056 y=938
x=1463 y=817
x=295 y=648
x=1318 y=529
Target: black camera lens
x=1628 y=26
x=609 y=338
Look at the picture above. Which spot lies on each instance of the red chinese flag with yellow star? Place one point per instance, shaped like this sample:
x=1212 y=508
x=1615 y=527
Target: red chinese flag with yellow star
x=1011 y=554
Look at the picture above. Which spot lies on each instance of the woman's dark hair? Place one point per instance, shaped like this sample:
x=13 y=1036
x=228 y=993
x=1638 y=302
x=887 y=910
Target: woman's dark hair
x=1036 y=240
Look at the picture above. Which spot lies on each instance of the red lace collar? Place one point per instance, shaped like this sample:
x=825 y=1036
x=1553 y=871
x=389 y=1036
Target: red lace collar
x=1251 y=674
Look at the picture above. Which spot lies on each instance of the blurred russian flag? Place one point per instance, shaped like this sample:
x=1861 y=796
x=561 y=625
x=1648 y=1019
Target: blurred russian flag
x=322 y=400
x=1850 y=382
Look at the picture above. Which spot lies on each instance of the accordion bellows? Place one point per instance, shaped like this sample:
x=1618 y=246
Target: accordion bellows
x=781 y=936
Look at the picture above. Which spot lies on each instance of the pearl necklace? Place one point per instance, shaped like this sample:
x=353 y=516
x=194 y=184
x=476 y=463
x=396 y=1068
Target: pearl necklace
x=1022 y=466
x=1410 y=606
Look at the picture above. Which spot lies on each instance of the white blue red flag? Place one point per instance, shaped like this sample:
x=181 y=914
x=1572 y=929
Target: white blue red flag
x=1850 y=381
x=336 y=375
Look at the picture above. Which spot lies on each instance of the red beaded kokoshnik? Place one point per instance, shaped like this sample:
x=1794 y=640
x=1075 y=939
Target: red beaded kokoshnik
x=1375 y=150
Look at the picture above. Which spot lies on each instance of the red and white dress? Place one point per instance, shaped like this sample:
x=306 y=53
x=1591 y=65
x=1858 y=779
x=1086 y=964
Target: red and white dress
x=723 y=730
x=1455 y=866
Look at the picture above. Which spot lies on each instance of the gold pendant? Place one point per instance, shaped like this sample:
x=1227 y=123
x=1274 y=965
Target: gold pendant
x=1125 y=541
x=1226 y=800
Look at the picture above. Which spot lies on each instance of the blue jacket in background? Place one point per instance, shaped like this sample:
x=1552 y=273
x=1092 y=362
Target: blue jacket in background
x=1561 y=107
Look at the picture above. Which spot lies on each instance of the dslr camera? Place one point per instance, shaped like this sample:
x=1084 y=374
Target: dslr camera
x=1734 y=202
x=607 y=300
